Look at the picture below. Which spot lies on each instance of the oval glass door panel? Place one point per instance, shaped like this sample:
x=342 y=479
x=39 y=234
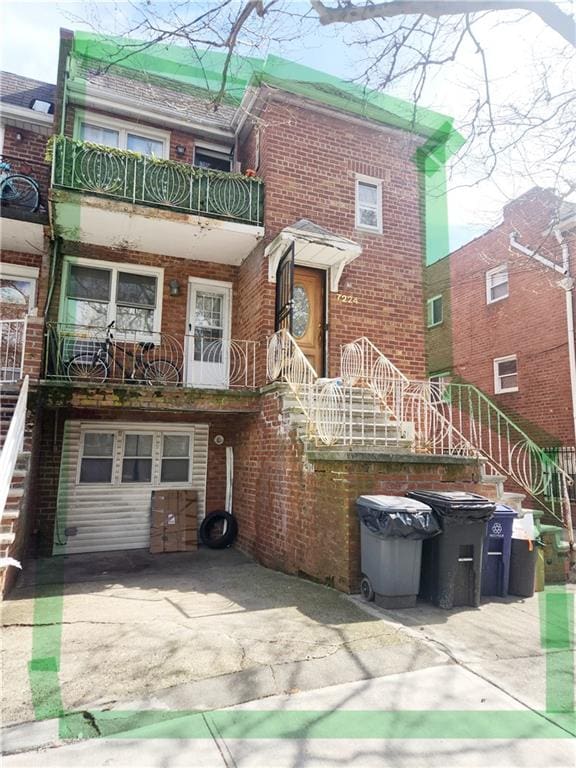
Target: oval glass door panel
x=301 y=311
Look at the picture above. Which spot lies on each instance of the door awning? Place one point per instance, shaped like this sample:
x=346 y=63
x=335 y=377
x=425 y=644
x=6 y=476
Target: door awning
x=314 y=247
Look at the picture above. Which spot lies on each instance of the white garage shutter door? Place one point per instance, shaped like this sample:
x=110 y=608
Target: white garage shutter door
x=111 y=513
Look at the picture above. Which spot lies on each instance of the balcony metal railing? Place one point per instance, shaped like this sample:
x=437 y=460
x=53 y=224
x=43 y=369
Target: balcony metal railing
x=96 y=355
x=129 y=176
x=12 y=349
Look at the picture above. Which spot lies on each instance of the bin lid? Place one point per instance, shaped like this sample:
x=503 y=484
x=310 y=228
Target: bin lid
x=392 y=504
x=456 y=503
x=503 y=510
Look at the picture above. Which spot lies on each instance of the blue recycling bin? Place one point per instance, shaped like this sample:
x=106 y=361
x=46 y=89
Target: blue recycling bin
x=497 y=551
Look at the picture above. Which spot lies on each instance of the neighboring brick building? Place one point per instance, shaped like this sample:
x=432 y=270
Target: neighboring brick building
x=201 y=234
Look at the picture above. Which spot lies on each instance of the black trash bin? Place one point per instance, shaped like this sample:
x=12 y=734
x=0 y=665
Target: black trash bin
x=391 y=532
x=452 y=563
x=523 y=559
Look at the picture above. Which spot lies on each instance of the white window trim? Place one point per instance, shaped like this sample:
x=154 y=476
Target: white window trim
x=124 y=128
x=114 y=267
x=21 y=272
x=97 y=431
x=378 y=184
x=489 y=275
x=498 y=389
x=429 y=312
x=157 y=431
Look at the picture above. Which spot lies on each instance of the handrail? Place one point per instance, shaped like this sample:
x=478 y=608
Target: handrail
x=13 y=444
x=460 y=417
x=12 y=349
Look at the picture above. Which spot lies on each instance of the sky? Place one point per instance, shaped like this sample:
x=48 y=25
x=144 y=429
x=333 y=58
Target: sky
x=29 y=46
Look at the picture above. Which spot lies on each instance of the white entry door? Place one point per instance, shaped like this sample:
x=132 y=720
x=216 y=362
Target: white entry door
x=208 y=348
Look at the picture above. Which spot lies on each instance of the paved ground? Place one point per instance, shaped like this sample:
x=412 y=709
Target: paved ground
x=206 y=629
x=215 y=631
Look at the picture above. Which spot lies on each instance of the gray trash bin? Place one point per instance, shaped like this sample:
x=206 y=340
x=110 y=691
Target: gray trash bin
x=391 y=532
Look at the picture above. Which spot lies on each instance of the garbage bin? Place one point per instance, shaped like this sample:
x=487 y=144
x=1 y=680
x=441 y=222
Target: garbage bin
x=496 y=551
x=452 y=562
x=391 y=532
x=523 y=561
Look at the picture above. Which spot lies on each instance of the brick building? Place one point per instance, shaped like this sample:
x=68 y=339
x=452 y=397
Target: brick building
x=232 y=300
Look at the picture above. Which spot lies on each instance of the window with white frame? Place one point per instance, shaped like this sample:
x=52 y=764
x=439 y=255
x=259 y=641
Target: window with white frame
x=118 y=134
x=368 y=204
x=505 y=374
x=497 y=284
x=18 y=289
x=125 y=457
x=96 y=293
x=97 y=460
x=435 y=311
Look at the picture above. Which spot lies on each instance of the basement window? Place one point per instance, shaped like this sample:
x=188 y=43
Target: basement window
x=175 y=459
x=137 y=460
x=435 y=311
x=497 y=284
x=97 y=457
x=505 y=374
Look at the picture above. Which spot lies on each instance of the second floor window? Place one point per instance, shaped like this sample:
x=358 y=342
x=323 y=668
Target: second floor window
x=96 y=295
x=496 y=284
x=369 y=204
x=435 y=311
x=216 y=159
x=111 y=132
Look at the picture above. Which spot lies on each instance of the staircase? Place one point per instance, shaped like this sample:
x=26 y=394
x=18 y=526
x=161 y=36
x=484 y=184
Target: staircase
x=373 y=407
x=14 y=473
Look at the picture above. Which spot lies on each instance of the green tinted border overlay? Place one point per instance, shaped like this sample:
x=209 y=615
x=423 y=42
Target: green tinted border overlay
x=557 y=721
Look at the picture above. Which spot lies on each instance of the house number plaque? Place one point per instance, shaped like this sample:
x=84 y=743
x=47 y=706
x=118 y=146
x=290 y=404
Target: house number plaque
x=346 y=299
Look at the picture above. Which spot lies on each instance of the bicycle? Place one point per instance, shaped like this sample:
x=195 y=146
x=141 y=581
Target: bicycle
x=95 y=367
x=18 y=189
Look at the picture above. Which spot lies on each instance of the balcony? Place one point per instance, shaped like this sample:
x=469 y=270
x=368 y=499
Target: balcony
x=23 y=199
x=123 y=199
x=80 y=354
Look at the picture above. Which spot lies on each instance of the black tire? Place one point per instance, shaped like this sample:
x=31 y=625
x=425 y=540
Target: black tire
x=218 y=530
x=85 y=367
x=366 y=589
x=161 y=372
x=20 y=191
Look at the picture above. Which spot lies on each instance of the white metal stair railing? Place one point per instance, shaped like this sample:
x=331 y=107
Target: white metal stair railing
x=12 y=447
x=12 y=349
x=459 y=418
x=336 y=413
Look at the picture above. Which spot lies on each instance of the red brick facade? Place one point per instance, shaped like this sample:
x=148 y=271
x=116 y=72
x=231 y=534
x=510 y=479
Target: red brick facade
x=530 y=323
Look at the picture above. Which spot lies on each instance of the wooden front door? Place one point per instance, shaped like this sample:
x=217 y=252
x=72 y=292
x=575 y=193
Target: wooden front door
x=308 y=309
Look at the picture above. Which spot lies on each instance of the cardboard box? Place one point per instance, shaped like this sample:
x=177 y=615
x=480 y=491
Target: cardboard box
x=174 y=524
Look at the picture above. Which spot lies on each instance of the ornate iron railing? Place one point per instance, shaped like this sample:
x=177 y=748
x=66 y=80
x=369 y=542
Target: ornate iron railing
x=460 y=418
x=129 y=176
x=96 y=355
x=221 y=363
x=13 y=444
x=12 y=349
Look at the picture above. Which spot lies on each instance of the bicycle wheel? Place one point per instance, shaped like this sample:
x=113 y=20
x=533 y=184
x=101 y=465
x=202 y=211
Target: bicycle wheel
x=85 y=367
x=20 y=191
x=161 y=372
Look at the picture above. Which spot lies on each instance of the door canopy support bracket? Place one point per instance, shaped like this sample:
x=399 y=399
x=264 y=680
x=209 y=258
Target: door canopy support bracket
x=313 y=247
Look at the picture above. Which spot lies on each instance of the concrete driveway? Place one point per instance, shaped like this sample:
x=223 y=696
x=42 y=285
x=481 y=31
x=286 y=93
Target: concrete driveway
x=195 y=630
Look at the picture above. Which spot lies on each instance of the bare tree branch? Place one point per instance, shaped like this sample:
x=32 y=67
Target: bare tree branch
x=348 y=13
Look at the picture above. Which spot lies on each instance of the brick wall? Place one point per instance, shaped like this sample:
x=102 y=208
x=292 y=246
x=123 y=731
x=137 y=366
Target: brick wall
x=309 y=161
x=438 y=337
x=299 y=517
x=26 y=155
x=530 y=323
